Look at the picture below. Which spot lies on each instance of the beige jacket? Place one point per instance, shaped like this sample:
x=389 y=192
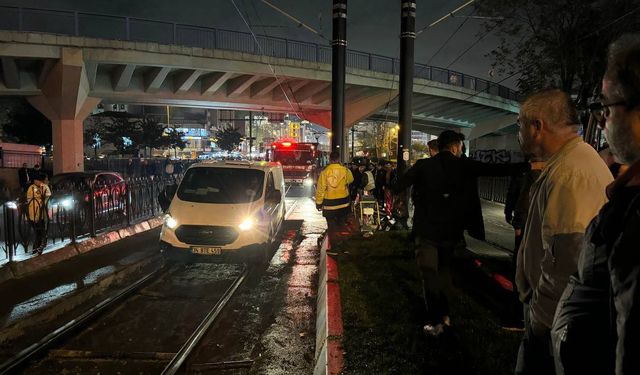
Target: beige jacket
x=567 y=195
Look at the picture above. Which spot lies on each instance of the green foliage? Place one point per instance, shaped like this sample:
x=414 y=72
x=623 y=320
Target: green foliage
x=114 y=127
x=174 y=139
x=228 y=138
x=419 y=150
x=377 y=138
x=557 y=43
x=21 y=123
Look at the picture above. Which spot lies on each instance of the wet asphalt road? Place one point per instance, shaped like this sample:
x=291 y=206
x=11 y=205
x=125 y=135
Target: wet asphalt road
x=268 y=327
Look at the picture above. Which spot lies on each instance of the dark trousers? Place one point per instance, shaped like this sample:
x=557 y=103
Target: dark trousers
x=434 y=263
x=534 y=354
x=336 y=222
x=39 y=232
x=513 y=309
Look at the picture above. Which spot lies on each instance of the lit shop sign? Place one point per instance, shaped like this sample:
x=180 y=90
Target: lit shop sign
x=194 y=132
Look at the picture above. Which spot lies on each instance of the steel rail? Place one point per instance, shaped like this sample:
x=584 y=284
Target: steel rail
x=33 y=350
x=183 y=354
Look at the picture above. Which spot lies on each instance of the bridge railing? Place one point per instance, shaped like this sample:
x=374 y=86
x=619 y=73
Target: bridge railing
x=106 y=26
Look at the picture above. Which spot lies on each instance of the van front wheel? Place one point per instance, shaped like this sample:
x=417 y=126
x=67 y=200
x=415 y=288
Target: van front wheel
x=261 y=256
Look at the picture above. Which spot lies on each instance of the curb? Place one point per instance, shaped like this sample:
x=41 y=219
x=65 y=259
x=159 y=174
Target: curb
x=329 y=353
x=43 y=316
x=16 y=270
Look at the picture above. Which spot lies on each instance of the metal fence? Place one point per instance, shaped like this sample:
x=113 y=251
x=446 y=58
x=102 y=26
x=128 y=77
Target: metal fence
x=138 y=167
x=15 y=159
x=106 y=26
x=32 y=223
x=493 y=188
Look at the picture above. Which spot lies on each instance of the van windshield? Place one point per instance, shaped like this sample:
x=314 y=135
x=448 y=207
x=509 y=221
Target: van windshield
x=221 y=185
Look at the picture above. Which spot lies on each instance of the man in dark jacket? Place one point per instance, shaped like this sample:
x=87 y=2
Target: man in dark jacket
x=23 y=177
x=446 y=197
x=596 y=329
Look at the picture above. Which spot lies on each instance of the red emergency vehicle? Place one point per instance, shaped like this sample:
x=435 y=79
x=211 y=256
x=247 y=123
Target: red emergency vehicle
x=299 y=160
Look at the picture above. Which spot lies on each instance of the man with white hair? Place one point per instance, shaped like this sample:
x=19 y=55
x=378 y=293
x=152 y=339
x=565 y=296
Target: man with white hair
x=564 y=199
x=596 y=328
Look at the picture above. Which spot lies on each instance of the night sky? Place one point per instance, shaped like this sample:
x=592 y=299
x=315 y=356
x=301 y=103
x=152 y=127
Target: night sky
x=373 y=25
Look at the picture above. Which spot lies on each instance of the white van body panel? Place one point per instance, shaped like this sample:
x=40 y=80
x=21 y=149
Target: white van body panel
x=268 y=214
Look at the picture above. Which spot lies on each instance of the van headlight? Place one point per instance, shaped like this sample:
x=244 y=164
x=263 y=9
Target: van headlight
x=247 y=224
x=170 y=222
x=66 y=203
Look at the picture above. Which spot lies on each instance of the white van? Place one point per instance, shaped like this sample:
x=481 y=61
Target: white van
x=225 y=210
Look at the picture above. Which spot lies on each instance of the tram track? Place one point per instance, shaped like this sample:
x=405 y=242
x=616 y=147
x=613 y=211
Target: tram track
x=65 y=346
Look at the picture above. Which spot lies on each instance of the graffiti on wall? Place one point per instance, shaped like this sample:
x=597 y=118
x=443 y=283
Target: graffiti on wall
x=492 y=156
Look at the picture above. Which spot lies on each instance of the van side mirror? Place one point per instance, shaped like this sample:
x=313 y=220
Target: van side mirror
x=275 y=196
x=166 y=195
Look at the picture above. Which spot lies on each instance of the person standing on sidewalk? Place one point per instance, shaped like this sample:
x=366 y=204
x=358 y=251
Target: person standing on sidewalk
x=595 y=329
x=38 y=195
x=433 y=147
x=332 y=194
x=568 y=194
x=516 y=210
x=446 y=196
x=23 y=177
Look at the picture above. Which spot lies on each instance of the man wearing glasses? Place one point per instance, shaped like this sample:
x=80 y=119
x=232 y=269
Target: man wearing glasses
x=564 y=199
x=596 y=329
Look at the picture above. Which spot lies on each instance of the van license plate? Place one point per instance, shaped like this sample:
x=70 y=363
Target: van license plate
x=206 y=250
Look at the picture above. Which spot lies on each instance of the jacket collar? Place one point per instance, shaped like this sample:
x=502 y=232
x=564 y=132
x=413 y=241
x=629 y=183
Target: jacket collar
x=564 y=150
x=631 y=177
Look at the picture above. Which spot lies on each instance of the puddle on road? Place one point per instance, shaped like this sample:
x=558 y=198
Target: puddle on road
x=94 y=276
x=40 y=301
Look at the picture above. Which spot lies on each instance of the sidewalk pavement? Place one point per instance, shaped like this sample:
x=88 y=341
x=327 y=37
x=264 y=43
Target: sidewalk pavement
x=499 y=234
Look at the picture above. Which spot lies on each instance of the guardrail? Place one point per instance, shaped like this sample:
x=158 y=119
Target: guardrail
x=105 y=26
x=32 y=224
x=493 y=188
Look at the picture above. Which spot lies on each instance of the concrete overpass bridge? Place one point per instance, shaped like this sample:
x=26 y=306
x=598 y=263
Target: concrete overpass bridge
x=65 y=63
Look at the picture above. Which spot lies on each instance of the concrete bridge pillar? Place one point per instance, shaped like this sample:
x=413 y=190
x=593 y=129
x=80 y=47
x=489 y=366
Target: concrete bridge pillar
x=65 y=101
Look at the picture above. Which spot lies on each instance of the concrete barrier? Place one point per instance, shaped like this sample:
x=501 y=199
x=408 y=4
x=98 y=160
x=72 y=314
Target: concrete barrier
x=27 y=266
x=118 y=278
x=329 y=354
x=18 y=269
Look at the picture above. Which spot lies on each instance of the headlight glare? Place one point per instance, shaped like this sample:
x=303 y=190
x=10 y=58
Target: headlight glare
x=247 y=224
x=170 y=222
x=66 y=203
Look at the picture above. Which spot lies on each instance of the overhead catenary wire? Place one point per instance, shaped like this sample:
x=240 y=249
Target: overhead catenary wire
x=450 y=14
x=475 y=43
x=271 y=68
x=285 y=82
x=296 y=20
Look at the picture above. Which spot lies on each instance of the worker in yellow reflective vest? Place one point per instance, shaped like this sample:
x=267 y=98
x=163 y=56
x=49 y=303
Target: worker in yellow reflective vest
x=332 y=192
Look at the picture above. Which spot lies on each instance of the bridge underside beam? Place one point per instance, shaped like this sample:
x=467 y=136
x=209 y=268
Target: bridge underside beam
x=184 y=80
x=211 y=83
x=264 y=87
x=154 y=78
x=121 y=77
x=10 y=73
x=238 y=85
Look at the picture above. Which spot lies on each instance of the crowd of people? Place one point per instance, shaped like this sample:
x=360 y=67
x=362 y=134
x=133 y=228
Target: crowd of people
x=575 y=214
x=153 y=167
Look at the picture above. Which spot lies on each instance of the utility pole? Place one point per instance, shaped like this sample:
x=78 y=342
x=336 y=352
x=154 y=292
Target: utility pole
x=407 y=38
x=338 y=61
x=353 y=137
x=250 y=133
